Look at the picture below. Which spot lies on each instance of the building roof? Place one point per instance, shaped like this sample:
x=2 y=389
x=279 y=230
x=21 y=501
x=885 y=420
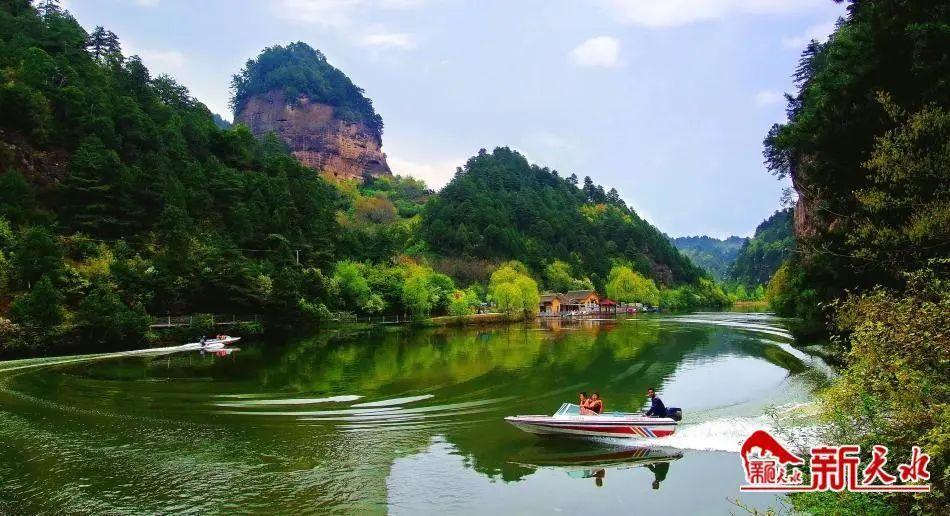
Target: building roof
x=550 y=296
x=577 y=295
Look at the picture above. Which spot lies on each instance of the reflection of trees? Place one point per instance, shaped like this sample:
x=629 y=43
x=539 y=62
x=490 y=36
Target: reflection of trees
x=537 y=369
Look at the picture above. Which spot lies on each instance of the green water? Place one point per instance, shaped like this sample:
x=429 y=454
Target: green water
x=400 y=421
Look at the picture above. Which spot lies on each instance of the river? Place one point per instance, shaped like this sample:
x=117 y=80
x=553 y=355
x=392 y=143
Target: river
x=404 y=421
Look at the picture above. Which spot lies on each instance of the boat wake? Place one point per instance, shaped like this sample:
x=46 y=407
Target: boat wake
x=728 y=434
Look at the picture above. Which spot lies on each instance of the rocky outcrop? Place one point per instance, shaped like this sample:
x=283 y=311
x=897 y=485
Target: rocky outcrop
x=317 y=136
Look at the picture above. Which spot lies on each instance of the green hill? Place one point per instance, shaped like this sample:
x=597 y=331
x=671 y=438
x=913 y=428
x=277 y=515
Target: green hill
x=500 y=206
x=764 y=253
x=712 y=254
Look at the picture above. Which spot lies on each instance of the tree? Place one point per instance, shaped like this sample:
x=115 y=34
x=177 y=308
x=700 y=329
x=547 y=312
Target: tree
x=40 y=309
x=37 y=254
x=513 y=290
x=417 y=292
x=557 y=276
x=17 y=199
x=463 y=302
x=625 y=285
x=96 y=42
x=104 y=318
x=95 y=190
x=351 y=281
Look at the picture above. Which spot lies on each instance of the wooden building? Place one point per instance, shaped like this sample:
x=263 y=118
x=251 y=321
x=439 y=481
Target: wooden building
x=551 y=303
x=573 y=301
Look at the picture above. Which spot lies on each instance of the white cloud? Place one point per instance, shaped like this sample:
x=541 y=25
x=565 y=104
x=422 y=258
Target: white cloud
x=819 y=32
x=157 y=61
x=767 y=97
x=674 y=13
x=599 y=52
x=398 y=40
x=435 y=173
x=335 y=13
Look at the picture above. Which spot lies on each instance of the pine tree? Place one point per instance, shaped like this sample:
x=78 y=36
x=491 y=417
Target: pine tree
x=111 y=46
x=49 y=9
x=96 y=42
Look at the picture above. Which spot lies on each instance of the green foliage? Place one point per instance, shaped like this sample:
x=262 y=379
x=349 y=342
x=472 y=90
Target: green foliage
x=904 y=213
x=712 y=254
x=103 y=318
x=16 y=197
x=895 y=390
x=628 y=286
x=193 y=218
x=558 y=277
x=704 y=294
x=501 y=207
x=40 y=310
x=513 y=290
x=463 y=302
x=351 y=282
x=866 y=146
x=761 y=255
x=298 y=69
x=36 y=254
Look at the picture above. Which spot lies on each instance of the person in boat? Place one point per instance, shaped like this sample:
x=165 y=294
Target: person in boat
x=657 y=408
x=582 y=399
x=594 y=406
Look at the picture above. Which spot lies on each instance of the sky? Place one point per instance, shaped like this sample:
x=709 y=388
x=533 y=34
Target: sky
x=666 y=100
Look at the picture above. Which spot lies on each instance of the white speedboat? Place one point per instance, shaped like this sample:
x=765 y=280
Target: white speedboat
x=569 y=422
x=214 y=344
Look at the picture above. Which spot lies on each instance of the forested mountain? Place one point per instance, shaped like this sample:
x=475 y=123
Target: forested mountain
x=712 y=254
x=762 y=255
x=868 y=100
x=500 y=206
x=298 y=69
x=329 y=125
x=120 y=196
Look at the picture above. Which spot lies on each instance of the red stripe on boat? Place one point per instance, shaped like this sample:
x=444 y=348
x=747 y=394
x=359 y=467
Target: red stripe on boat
x=663 y=433
x=606 y=429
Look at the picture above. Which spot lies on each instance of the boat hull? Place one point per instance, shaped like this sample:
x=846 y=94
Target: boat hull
x=595 y=426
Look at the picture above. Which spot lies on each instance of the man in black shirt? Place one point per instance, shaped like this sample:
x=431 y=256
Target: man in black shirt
x=657 y=408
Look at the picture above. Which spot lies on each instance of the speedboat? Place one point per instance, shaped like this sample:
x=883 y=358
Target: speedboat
x=569 y=422
x=214 y=344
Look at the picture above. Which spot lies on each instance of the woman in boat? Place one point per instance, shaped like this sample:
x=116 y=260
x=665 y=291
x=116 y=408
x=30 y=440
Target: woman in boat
x=596 y=404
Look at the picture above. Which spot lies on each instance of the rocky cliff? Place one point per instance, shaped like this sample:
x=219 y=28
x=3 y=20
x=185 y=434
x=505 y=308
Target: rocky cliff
x=317 y=136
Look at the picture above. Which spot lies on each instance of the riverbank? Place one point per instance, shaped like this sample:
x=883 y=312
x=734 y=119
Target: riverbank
x=472 y=320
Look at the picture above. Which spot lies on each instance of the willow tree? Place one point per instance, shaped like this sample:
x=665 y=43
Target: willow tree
x=628 y=286
x=513 y=290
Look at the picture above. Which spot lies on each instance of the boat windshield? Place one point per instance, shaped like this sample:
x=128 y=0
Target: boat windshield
x=568 y=409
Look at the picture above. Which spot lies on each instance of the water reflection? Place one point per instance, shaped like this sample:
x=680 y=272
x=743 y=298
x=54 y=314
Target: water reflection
x=402 y=420
x=592 y=460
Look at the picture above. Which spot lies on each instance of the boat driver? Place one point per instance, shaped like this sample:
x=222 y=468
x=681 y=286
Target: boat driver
x=657 y=408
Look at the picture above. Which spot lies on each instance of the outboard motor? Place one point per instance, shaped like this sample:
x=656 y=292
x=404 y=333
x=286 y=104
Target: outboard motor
x=674 y=413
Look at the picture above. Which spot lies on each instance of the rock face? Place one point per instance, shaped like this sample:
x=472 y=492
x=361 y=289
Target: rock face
x=337 y=148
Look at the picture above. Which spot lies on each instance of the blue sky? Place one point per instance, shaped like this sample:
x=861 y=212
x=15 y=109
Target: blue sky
x=666 y=100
